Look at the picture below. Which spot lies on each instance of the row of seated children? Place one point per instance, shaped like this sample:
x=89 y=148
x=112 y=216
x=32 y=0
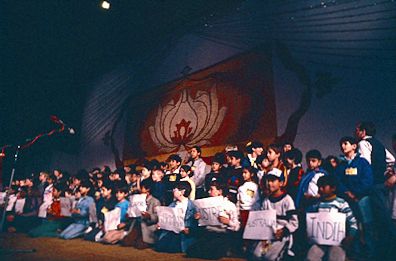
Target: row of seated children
x=246 y=188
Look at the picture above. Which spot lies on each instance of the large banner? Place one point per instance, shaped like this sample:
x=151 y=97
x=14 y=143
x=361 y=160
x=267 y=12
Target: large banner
x=229 y=103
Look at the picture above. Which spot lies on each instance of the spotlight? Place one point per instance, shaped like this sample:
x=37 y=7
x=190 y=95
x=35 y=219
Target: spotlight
x=105 y=5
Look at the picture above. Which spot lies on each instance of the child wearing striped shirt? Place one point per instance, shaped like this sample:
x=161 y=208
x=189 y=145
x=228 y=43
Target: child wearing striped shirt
x=328 y=203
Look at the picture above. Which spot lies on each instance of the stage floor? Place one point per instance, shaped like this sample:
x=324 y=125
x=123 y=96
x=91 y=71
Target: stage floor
x=12 y=245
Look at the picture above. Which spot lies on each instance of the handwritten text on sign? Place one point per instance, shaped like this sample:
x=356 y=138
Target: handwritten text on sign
x=260 y=225
x=112 y=219
x=209 y=208
x=137 y=204
x=171 y=219
x=326 y=228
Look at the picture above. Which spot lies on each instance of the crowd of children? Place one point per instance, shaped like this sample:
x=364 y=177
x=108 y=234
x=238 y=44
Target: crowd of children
x=359 y=184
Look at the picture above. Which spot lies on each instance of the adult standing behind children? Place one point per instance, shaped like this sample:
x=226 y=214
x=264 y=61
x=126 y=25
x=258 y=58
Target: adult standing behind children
x=379 y=157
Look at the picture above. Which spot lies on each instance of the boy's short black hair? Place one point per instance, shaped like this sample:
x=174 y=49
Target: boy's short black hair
x=186 y=168
x=148 y=184
x=327 y=180
x=219 y=158
x=253 y=145
x=175 y=157
x=368 y=126
x=349 y=139
x=294 y=154
x=86 y=184
x=219 y=186
x=236 y=154
x=123 y=189
x=275 y=147
x=198 y=148
x=108 y=184
x=184 y=185
x=313 y=154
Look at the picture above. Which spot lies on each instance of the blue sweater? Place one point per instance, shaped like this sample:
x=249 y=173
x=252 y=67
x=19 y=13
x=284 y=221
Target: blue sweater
x=355 y=176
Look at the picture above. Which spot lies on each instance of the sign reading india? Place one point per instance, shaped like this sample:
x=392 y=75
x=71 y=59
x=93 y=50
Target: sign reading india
x=326 y=228
x=209 y=209
x=260 y=225
x=171 y=219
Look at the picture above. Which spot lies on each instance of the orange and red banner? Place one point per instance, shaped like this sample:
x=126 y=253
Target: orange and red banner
x=229 y=103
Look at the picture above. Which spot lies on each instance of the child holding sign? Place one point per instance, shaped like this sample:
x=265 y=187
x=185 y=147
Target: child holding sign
x=286 y=223
x=80 y=213
x=170 y=241
x=216 y=240
x=329 y=203
x=114 y=236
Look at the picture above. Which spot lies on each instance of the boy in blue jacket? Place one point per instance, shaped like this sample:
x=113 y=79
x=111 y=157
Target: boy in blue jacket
x=355 y=177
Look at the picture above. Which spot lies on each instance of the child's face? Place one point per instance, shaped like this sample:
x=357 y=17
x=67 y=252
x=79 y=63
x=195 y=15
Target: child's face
x=76 y=182
x=178 y=194
x=106 y=193
x=55 y=193
x=326 y=191
x=258 y=151
x=120 y=195
x=313 y=163
x=157 y=175
x=183 y=173
x=274 y=185
x=194 y=153
x=289 y=162
x=144 y=190
x=347 y=147
x=214 y=192
x=173 y=164
x=56 y=173
x=272 y=155
x=216 y=166
x=287 y=147
x=134 y=178
x=42 y=177
x=100 y=183
x=247 y=176
x=146 y=173
x=84 y=190
x=235 y=162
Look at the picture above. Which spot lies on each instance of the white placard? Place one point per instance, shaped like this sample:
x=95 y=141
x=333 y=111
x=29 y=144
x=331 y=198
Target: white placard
x=2 y=197
x=43 y=209
x=209 y=209
x=11 y=201
x=260 y=225
x=66 y=205
x=326 y=228
x=171 y=219
x=19 y=204
x=137 y=204
x=112 y=219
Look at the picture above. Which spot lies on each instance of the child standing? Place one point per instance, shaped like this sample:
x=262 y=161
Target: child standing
x=248 y=194
x=292 y=160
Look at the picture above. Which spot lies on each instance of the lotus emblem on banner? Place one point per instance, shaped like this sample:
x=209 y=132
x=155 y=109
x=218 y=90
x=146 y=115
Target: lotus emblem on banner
x=187 y=122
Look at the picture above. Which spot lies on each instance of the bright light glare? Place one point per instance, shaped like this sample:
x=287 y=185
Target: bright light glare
x=106 y=5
